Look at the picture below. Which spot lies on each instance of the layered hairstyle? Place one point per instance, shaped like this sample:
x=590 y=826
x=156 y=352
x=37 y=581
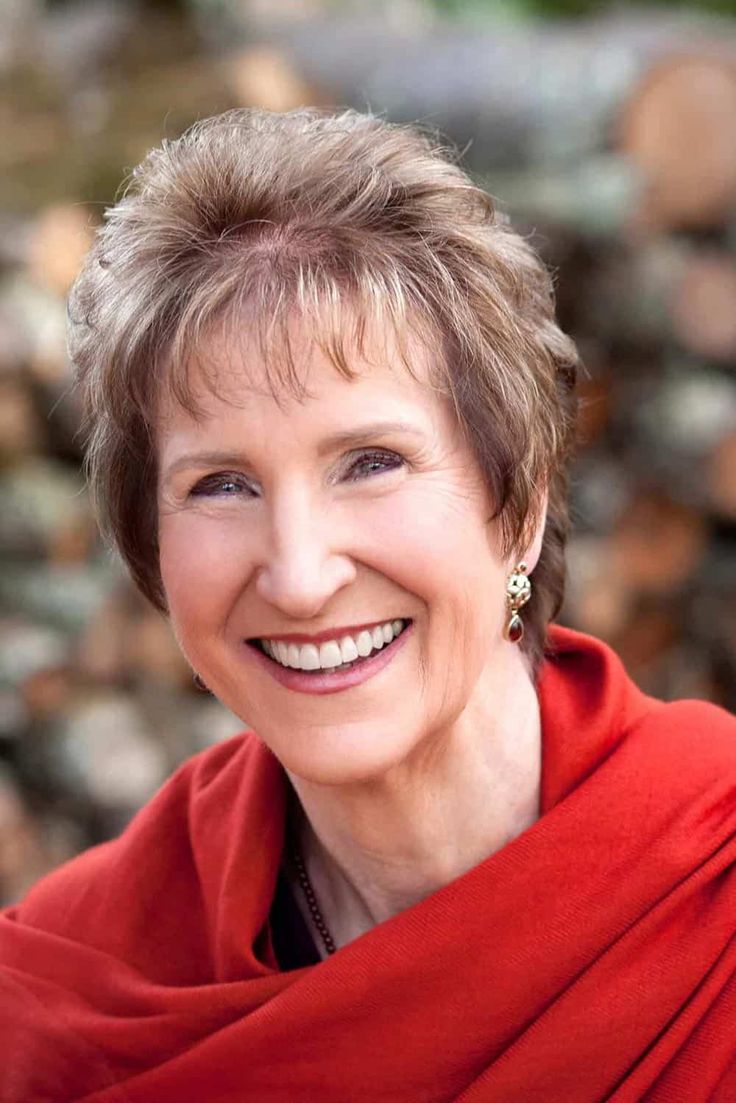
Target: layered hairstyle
x=347 y=222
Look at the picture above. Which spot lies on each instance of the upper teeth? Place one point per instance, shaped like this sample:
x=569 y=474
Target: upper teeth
x=332 y=653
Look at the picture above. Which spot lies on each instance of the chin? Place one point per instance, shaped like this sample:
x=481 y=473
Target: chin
x=340 y=756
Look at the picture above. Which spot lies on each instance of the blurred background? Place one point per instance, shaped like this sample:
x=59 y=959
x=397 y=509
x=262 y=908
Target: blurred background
x=608 y=133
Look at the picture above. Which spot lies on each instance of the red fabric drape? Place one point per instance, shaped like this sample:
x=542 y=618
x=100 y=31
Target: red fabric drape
x=592 y=958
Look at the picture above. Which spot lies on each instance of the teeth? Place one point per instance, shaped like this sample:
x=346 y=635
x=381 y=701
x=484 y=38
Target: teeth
x=329 y=655
x=333 y=653
x=348 y=650
x=309 y=657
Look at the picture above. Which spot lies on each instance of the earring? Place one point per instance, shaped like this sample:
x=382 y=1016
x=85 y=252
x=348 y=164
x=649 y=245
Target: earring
x=518 y=592
x=199 y=683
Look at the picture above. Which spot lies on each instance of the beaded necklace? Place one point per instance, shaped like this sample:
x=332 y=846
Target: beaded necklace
x=310 y=897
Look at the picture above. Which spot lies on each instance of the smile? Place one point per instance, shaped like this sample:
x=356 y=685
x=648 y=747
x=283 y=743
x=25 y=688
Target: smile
x=371 y=656
x=335 y=654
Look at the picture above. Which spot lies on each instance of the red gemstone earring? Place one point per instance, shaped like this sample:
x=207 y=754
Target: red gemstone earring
x=518 y=592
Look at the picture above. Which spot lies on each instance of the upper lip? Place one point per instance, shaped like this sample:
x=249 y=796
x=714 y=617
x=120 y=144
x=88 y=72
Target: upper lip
x=329 y=633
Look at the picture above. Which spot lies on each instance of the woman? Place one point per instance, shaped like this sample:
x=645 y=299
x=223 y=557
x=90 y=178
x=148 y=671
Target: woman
x=457 y=855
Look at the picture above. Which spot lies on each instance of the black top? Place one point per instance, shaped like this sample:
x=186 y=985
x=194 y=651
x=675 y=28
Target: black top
x=292 y=941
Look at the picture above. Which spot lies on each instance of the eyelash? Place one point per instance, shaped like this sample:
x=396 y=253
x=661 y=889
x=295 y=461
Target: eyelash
x=390 y=460
x=207 y=487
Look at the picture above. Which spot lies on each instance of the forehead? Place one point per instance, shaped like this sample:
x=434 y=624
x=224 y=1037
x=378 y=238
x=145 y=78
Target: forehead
x=238 y=379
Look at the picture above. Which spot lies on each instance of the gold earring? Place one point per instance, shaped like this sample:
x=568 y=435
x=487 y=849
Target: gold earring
x=518 y=592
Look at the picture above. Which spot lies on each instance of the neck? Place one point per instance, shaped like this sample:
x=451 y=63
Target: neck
x=375 y=848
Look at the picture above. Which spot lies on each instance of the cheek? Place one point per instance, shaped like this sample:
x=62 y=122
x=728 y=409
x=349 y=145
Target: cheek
x=202 y=566
x=445 y=545
x=446 y=556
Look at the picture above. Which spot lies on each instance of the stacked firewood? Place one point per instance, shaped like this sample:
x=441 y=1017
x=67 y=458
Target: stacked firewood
x=611 y=144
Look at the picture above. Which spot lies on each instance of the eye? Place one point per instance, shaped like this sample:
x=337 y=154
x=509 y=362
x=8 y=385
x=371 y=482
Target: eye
x=221 y=485
x=374 y=462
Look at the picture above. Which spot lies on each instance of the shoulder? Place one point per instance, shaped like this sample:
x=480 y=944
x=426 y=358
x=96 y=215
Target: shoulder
x=699 y=718
x=692 y=743
x=156 y=840
x=592 y=711
x=151 y=897
x=586 y=680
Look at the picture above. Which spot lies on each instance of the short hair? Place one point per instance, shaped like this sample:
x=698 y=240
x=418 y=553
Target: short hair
x=344 y=218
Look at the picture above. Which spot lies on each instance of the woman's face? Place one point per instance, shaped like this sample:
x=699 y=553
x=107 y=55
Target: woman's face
x=357 y=507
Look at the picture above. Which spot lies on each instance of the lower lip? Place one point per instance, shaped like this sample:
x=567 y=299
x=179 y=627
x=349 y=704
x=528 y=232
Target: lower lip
x=332 y=683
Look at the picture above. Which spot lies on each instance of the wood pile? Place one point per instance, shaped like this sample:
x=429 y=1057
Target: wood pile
x=610 y=143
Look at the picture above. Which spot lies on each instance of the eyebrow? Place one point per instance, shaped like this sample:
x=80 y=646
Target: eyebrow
x=332 y=443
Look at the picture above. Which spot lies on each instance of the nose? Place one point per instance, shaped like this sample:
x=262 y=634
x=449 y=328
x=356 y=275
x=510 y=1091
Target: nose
x=302 y=566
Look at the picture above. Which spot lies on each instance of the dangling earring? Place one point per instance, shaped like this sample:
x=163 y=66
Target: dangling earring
x=199 y=683
x=518 y=592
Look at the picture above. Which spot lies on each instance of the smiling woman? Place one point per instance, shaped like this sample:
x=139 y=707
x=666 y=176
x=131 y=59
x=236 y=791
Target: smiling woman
x=456 y=854
x=301 y=534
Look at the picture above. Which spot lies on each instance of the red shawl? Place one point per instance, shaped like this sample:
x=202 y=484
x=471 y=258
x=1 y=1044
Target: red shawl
x=592 y=958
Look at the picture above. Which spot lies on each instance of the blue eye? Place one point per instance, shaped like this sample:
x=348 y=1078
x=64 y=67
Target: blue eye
x=222 y=486
x=378 y=460
x=230 y=484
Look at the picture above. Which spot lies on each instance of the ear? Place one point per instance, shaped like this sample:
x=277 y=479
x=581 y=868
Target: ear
x=534 y=546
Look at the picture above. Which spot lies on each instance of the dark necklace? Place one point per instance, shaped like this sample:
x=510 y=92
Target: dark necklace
x=311 y=899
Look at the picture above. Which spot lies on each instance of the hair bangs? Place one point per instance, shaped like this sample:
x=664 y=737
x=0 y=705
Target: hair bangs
x=244 y=326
